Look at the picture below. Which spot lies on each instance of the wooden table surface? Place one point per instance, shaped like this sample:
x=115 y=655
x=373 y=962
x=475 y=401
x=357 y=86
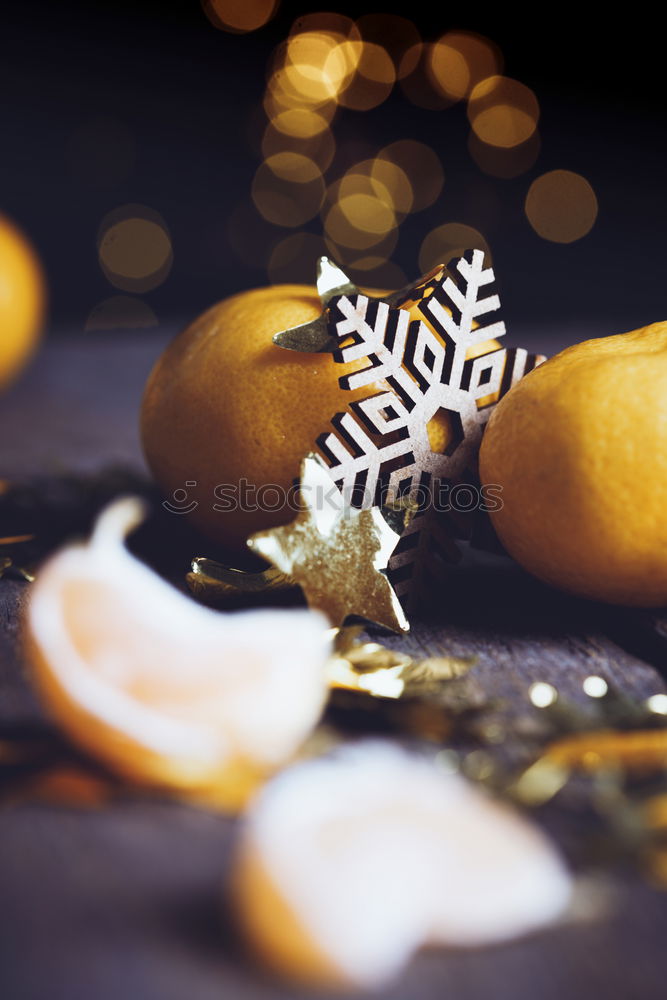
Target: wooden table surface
x=127 y=899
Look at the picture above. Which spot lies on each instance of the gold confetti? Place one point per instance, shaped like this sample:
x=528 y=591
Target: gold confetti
x=8 y=562
x=214 y=581
x=375 y=669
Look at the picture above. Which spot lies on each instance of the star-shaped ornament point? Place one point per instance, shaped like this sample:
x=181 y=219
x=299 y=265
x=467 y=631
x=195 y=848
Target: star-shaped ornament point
x=336 y=553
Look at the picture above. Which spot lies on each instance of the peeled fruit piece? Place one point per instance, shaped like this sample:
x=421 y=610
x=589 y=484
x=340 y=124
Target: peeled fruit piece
x=21 y=300
x=579 y=448
x=162 y=690
x=348 y=864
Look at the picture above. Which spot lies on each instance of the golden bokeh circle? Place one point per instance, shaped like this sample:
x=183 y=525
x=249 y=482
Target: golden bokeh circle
x=293 y=167
x=373 y=79
x=288 y=189
x=561 y=206
x=134 y=248
x=422 y=167
x=388 y=176
x=239 y=16
x=359 y=221
x=504 y=162
x=301 y=123
x=459 y=60
x=416 y=78
x=368 y=212
x=348 y=256
x=503 y=112
x=380 y=178
x=320 y=148
x=316 y=67
x=447 y=241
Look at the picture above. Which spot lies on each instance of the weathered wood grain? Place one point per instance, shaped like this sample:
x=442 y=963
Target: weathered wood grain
x=127 y=899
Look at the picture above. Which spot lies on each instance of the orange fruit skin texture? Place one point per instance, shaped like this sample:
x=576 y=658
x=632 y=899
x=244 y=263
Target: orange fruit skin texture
x=22 y=300
x=579 y=447
x=223 y=404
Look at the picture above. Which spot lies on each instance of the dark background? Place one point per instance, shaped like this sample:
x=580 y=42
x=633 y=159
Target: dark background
x=185 y=100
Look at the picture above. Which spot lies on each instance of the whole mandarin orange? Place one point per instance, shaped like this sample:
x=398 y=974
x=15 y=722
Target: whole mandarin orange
x=22 y=298
x=579 y=448
x=225 y=406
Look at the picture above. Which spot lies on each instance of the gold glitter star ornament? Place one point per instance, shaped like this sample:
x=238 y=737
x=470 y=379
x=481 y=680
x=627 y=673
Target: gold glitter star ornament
x=336 y=553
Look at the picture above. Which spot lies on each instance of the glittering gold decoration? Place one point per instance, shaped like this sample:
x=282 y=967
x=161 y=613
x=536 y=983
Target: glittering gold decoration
x=8 y=546
x=641 y=750
x=430 y=354
x=213 y=581
x=337 y=554
x=376 y=670
x=216 y=583
x=612 y=737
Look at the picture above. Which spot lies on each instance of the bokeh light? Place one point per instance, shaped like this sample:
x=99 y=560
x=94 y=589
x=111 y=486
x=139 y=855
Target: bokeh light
x=561 y=206
x=317 y=66
x=416 y=79
x=121 y=312
x=387 y=176
x=394 y=33
x=379 y=179
x=290 y=90
x=300 y=123
x=421 y=166
x=134 y=248
x=450 y=240
x=359 y=221
x=320 y=148
x=373 y=79
x=288 y=189
x=239 y=16
x=505 y=162
x=503 y=112
x=293 y=167
x=347 y=241
x=460 y=60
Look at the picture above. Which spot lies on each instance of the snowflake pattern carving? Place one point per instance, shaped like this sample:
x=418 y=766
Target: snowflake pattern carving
x=379 y=450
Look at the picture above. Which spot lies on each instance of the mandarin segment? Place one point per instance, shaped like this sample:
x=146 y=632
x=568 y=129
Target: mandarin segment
x=348 y=864
x=163 y=691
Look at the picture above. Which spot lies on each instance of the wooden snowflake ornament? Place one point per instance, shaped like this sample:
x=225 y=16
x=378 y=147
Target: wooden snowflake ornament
x=432 y=355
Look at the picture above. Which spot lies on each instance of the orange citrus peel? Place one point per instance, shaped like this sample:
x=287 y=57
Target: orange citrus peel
x=163 y=691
